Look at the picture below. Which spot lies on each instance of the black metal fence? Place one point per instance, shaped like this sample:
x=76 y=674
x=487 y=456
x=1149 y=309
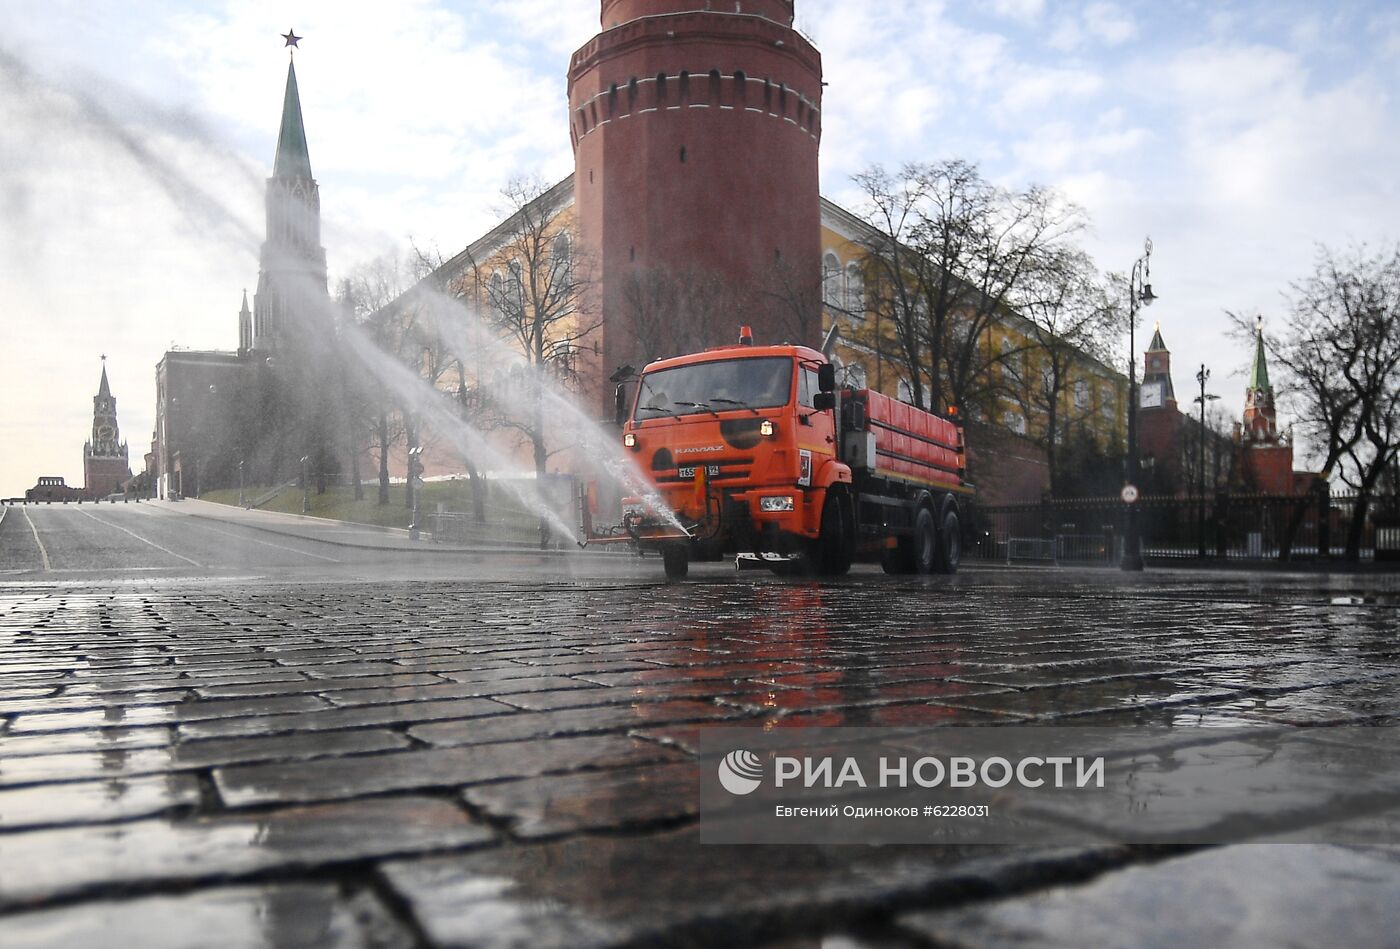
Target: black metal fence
x=1221 y=527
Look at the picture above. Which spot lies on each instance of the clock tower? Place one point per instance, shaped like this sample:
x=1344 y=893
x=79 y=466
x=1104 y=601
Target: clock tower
x=1156 y=391
x=105 y=464
x=1159 y=422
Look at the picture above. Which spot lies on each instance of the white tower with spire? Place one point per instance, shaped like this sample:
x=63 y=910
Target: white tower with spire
x=292 y=263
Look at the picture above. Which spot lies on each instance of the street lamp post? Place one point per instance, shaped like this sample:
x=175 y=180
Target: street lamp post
x=241 y=502
x=1202 y=377
x=306 y=484
x=1139 y=291
x=415 y=468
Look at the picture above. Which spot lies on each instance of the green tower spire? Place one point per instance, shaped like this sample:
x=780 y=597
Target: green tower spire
x=293 y=160
x=1259 y=372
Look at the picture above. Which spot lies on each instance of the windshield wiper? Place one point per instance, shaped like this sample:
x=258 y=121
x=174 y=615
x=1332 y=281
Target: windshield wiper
x=700 y=405
x=742 y=405
x=662 y=409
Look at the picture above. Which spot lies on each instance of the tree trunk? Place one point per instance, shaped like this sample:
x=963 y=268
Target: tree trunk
x=355 y=472
x=1051 y=444
x=537 y=431
x=409 y=434
x=383 y=458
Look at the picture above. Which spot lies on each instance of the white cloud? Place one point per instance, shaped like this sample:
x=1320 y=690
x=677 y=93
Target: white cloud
x=1036 y=88
x=1023 y=11
x=1106 y=23
x=1109 y=23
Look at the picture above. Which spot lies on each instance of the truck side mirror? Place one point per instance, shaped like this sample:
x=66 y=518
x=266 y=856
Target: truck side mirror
x=620 y=403
x=826 y=377
x=824 y=401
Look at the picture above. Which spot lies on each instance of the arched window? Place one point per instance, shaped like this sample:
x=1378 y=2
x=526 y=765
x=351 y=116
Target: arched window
x=831 y=281
x=855 y=289
x=741 y=89
x=612 y=100
x=495 y=298
x=714 y=87
x=660 y=89
x=685 y=87
x=515 y=293
x=560 y=263
x=632 y=94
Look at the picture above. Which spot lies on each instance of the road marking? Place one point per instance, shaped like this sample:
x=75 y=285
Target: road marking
x=268 y=543
x=43 y=553
x=142 y=539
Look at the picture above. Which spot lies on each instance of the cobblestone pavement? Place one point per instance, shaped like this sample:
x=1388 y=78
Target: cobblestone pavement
x=497 y=762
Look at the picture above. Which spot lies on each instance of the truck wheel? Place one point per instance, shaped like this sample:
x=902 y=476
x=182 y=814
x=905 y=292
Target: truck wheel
x=831 y=554
x=676 y=560
x=950 y=542
x=925 y=542
x=894 y=561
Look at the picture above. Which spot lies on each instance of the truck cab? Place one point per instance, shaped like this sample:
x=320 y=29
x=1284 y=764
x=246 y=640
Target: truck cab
x=741 y=445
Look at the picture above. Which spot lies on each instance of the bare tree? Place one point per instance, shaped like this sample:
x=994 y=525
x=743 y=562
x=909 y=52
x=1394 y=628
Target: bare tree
x=387 y=305
x=671 y=312
x=793 y=303
x=537 y=302
x=1340 y=355
x=1066 y=314
x=950 y=254
x=896 y=271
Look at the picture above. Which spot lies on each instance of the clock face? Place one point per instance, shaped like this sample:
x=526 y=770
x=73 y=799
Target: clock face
x=1151 y=396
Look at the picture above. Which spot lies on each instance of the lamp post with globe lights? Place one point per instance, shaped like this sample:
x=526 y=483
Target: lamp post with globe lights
x=1202 y=377
x=1139 y=292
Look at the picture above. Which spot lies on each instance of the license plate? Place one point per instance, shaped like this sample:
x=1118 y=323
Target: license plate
x=710 y=470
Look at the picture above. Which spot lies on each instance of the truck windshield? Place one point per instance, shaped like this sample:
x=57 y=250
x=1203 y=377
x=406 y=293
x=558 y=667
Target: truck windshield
x=722 y=385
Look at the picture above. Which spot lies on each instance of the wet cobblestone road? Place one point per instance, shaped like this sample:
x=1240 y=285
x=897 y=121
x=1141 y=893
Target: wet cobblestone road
x=499 y=763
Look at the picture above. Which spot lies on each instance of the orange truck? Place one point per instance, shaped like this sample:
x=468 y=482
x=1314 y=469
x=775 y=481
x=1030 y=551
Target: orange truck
x=754 y=453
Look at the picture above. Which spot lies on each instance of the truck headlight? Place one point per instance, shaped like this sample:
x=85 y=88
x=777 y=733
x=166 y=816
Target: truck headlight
x=773 y=504
x=765 y=427
x=629 y=440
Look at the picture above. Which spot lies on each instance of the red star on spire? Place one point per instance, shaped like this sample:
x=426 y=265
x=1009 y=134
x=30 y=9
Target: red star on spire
x=292 y=39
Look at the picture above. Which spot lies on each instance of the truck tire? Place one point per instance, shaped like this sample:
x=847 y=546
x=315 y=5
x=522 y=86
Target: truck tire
x=949 y=541
x=925 y=542
x=676 y=559
x=895 y=561
x=831 y=553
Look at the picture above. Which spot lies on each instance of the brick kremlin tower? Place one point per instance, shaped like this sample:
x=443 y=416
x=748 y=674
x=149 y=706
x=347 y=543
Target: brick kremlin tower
x=1267 y=455
x=1159 y=420
x=105 y=461
x=695 y=126
x=292 y=262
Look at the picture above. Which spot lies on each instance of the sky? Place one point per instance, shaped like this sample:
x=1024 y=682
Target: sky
x=135 y=138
